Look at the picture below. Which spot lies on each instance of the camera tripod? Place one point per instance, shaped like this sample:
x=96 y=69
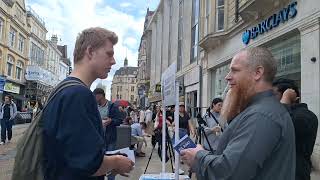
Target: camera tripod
x=200 y=132
x=168 y=147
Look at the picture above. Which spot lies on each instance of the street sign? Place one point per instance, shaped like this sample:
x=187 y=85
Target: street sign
x=168 y=85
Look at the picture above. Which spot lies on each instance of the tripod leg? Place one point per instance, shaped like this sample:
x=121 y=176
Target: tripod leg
x=149 y=159
x=190 y=174
x=199 y=134
x=206 y=137
x=170 y=155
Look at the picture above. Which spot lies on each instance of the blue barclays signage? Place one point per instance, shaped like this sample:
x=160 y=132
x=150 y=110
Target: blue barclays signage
x=272 y=22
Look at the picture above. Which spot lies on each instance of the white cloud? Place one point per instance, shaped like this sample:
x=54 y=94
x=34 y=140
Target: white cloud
x=68 y=18
x=131 y=42
x=125 y=4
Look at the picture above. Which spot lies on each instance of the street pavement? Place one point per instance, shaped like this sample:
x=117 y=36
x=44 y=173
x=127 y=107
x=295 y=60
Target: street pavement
x=8 y=151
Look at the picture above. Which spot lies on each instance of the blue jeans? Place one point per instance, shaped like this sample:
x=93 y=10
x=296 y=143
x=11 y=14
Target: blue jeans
x=111 y=147
x=6 y=126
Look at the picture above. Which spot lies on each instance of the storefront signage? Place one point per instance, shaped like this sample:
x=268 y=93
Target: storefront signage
x=2 y=83
x=10 y=87
x=158 y=88
x=36 y=73
x=272 y=22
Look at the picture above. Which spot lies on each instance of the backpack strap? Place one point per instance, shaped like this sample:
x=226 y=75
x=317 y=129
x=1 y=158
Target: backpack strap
x=216 y=120
x=59 y=88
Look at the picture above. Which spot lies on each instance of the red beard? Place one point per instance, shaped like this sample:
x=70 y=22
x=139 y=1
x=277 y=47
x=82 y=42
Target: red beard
x=237 y=99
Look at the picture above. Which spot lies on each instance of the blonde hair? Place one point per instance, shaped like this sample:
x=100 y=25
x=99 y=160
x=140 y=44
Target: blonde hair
x=95 y=38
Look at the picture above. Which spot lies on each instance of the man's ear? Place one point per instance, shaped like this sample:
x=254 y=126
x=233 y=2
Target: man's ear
x=259 y=72
x=89 y=52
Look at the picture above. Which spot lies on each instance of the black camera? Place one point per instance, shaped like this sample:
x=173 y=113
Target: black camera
x=201 y=121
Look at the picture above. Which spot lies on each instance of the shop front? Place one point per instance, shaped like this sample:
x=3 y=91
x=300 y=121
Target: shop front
x=192 y=91
x=16 y=91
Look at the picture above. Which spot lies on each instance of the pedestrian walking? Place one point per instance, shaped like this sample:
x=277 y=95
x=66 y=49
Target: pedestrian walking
x=8 y=112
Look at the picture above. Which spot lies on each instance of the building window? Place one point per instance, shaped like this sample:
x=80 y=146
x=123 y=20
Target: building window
x=207 y=15
x=10 y=63
x=180 y=35
x=288 y=56
x=191 y=103
x=194 y=30
x=21 y=43
x=37 y=55
x=19 y=69
x=219 y=15
x=132 y=88
x=1 y=28
x=219 y=83
x=12 y=37
x=132 y=98
x=19 y=15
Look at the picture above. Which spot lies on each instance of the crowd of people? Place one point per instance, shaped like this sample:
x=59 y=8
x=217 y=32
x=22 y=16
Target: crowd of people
x=259 y=131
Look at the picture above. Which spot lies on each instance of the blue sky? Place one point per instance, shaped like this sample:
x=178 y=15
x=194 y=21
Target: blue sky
x=66 y=18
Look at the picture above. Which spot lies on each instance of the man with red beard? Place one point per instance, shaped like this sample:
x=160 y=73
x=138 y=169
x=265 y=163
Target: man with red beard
x=259 y=142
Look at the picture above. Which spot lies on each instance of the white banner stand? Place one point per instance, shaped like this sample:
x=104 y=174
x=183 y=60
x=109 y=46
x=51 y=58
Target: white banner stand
x=176 y=130
x=164 y=137
x=170 y=96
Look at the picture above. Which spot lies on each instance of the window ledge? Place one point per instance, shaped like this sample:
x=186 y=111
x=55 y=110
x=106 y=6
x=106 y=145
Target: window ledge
x=254 y=9
x=214 y=39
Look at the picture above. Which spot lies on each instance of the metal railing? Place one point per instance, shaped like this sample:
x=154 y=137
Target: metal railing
x=34 y=14
x=23 y=117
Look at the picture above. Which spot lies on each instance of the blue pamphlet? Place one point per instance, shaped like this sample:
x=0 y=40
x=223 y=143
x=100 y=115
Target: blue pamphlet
x=184 y=143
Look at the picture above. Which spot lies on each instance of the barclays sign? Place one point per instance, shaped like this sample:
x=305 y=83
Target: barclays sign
x=272 y=22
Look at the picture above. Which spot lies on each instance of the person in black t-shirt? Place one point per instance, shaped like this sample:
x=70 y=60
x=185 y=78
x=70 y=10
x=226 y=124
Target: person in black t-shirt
x=185 y=124
x=305 y=123
x=8 y=112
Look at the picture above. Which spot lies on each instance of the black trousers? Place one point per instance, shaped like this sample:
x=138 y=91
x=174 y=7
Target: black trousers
x=303 y=168
x=6 y=127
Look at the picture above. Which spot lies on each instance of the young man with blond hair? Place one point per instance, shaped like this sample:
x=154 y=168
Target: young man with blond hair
x=74 y=146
